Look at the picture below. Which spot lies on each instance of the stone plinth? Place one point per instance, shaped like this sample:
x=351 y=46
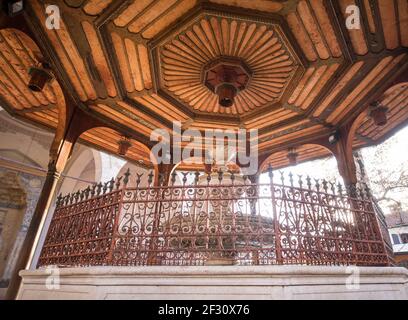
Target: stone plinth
x=216 y=282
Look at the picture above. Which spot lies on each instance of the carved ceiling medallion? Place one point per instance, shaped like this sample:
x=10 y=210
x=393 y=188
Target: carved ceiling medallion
x=216 y=62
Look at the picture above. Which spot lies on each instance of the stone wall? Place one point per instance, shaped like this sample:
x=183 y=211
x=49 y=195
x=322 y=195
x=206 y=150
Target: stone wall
x=19 y=195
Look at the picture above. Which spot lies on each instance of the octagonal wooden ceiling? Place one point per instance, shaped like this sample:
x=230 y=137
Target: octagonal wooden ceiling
x=259 y=43
x=139 y=64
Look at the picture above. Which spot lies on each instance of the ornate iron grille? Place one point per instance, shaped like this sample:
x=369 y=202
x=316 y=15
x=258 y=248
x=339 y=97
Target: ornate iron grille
x=215 y=222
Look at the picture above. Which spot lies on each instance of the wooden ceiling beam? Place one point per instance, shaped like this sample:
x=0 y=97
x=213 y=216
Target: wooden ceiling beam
x=37 y=109
x=375 y=41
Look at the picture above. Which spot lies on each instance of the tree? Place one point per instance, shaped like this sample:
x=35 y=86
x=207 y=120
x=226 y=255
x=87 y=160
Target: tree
x=387 y=171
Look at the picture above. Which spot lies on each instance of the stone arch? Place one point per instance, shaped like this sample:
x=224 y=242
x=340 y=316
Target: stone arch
x=81 y=163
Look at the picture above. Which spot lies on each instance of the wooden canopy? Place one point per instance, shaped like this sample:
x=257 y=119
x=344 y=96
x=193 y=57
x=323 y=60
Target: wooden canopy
x=138 y=65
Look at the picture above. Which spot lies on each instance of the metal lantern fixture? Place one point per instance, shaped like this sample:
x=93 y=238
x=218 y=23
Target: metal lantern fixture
x=226 y=77
x=226 y=93
x=40 y=76
x=378 y=113
x=292 y=156
x=123 y=145
x=14 y=7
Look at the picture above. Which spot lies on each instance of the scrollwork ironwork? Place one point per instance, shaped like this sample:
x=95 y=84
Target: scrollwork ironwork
x=229 y=223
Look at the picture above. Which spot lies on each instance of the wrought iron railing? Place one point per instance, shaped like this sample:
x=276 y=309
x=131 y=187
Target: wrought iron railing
x=221 y=219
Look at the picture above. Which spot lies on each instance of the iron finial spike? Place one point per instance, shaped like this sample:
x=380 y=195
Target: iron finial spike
x=93 y=190
x=138 y=179
x=270 y=171
x=291 y=178
x=309 y=182
x=332 y=187
x=118 y=182
x=317 y=185
x=66 y=199
x=196 y=176
x=173 y=177
x=184 y=177
x=150 y=178
x=105 y=187
x=340 y=188
x=232 y=176
x=126 y=177
x=111 y=184
x=59 y=200
x=87 y=191
x=99 y=188
x=324 y=185
x=220 y=175
x=76 y=197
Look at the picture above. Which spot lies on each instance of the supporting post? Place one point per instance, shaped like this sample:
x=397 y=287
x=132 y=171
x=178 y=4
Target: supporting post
x=343 y=153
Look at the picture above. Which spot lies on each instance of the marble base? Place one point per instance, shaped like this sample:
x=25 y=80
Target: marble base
x=216 y=282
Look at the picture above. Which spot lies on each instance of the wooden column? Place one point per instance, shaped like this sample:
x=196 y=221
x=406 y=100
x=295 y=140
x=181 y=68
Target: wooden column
x=60 y=152
x=342 y=150
x=345 y=161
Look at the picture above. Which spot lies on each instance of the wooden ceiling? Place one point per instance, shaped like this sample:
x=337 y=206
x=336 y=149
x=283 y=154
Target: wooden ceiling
x=261 y=45
x=306 y=152
x=139 y=64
